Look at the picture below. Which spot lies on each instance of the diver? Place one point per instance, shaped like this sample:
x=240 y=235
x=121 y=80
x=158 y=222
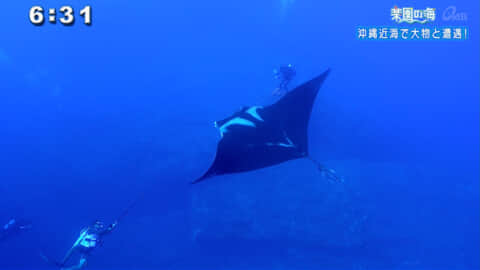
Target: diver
x=330 y=174
x=13 y=227
x=285 y=74
x=89 y=238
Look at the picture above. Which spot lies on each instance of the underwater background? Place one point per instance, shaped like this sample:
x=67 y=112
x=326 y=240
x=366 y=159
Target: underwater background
x=93 y=118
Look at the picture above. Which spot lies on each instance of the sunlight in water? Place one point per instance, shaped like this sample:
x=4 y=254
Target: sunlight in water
x=3 y=56
x=285 y=6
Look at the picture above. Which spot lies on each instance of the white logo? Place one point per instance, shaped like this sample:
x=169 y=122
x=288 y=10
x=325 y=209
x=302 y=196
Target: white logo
x=410 y=15
x=450 y=14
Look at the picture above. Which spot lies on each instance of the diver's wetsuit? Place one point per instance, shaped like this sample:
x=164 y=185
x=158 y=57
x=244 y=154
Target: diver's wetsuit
x=89 y=238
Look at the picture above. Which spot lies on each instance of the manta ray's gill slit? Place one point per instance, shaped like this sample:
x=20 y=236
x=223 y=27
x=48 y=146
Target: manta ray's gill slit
x=253 y=112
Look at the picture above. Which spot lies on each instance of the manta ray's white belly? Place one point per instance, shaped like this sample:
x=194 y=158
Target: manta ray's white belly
x=253 y=112
x=241 y=121
x=235 y=121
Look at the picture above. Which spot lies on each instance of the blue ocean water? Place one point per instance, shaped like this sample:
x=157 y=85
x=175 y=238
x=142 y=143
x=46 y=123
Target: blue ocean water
x=95 y=117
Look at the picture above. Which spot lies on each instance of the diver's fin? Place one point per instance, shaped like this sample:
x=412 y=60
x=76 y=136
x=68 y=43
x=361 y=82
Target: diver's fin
x=83 y=233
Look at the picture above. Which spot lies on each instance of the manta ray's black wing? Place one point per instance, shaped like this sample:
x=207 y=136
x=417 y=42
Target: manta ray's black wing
x=292 y=112
x=263 y=137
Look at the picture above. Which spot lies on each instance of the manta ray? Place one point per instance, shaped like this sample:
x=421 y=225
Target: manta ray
x=257 y=137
